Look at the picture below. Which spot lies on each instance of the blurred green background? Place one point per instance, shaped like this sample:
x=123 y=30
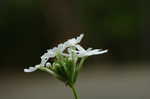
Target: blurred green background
x=29 y=27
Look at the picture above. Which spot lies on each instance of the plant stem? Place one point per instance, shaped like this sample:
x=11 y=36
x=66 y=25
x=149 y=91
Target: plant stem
x=81 y=62
x=74 y=91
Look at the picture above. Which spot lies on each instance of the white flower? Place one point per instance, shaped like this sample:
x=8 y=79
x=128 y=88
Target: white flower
x=73 y=52
x=51 y=53
x=89 y=52
x=32 y=69
x=61 y=48
x=73 y=41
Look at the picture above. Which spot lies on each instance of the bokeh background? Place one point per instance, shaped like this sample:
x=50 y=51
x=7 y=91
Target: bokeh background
x=29 y=27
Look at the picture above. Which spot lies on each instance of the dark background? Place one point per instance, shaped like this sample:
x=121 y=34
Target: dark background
x=29 y=27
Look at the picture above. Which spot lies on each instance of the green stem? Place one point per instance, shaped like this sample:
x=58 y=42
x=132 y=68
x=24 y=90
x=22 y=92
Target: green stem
x=74 y=91
x=81 y=62
x=51 y=72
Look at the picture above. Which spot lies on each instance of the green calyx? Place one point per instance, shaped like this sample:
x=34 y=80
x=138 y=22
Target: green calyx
x=65 y=68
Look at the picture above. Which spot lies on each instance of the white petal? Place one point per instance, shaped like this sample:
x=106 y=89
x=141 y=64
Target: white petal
x=37 y=66
x=89 y=49
x=80 y=38
x=61 y=47
x=73 y=41
x=80 y=48
x=49 y=54
x=31 y=69
x=91 y=52
x=102 y=52
x=70 y=42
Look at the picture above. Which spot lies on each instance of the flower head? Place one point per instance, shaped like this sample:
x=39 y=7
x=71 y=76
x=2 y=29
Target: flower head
x=68 y=60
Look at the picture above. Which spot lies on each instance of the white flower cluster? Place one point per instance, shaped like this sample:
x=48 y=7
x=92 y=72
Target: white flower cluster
x=66 y=49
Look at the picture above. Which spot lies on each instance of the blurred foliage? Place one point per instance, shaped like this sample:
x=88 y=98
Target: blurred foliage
x=114 y=25
x=30 y=26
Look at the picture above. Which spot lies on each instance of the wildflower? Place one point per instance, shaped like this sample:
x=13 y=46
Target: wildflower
x=51 y=53
x=73 y=41
x=68 y=60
